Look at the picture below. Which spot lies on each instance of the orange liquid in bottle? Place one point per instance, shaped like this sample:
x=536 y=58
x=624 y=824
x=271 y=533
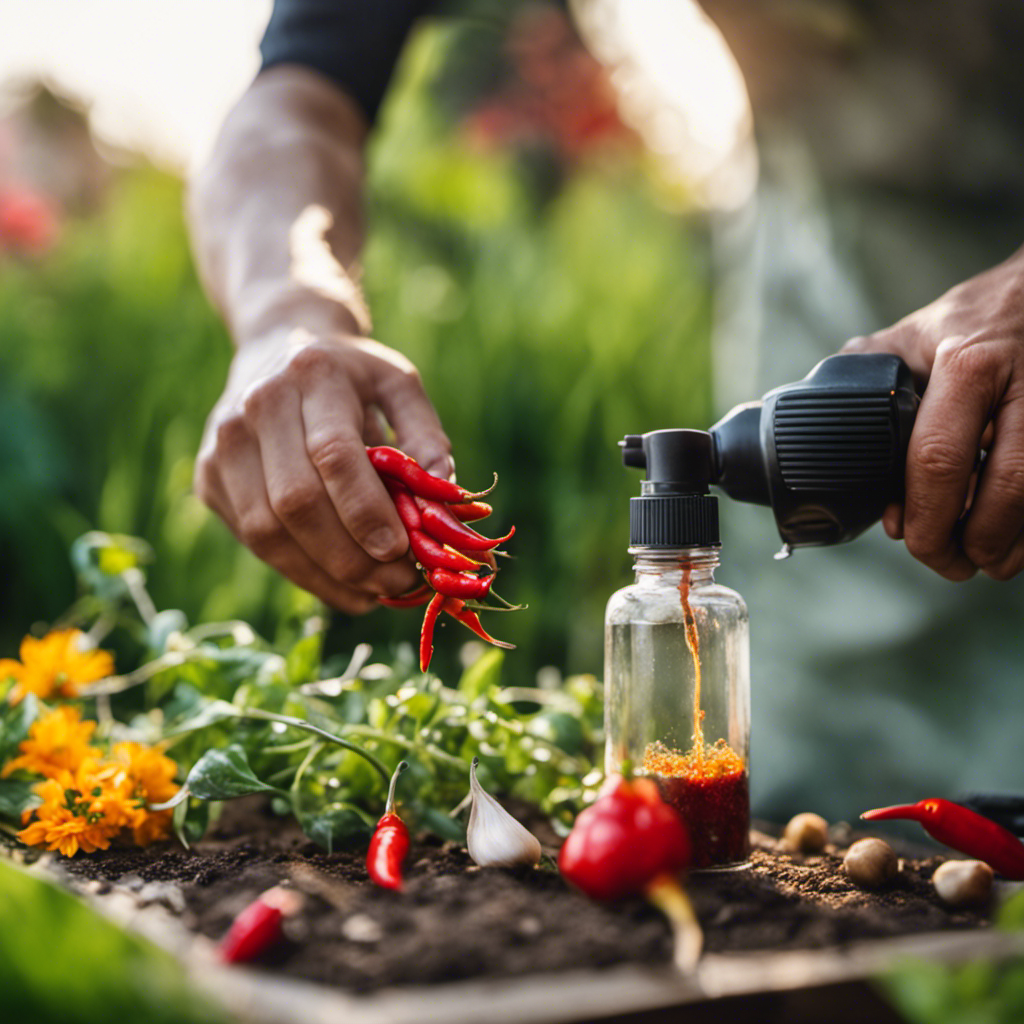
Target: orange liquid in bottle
x=708 y=785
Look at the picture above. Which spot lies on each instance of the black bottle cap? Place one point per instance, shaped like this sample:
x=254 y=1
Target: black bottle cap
x=674 y=509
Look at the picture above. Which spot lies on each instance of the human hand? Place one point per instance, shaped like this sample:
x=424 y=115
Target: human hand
x=283 y=461
x=968 y=346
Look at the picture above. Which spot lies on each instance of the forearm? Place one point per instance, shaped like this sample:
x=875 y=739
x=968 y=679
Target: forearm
x=294 y=143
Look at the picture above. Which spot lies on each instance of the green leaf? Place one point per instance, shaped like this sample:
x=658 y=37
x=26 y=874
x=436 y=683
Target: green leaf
x=208 y=714
x=338 y=824
x=60 y=961
x=224 y=775
x=484 y=675
x=163 y=625
x=1011 y=914
x=15 y=796
x=440 y=824
x=190 y=820
x=303 y=659
x=558 y=727
x=102 y=559
x=14 y=725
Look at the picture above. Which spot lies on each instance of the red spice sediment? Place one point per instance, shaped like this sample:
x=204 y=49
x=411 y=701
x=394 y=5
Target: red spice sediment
x=712 y=793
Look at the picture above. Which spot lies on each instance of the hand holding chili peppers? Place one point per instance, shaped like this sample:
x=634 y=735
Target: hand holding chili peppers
x=629 y=842
x=457 y=562
x=963 y=830
x=390 y=842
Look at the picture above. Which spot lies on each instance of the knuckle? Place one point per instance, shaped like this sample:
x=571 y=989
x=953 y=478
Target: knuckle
x=230 y=433
x=296 y=505
x=334 y=456
x=312 y=361
x=262 y=398
x=972 y=359
x=938 y=459
x=262 y=534
x=928 y=547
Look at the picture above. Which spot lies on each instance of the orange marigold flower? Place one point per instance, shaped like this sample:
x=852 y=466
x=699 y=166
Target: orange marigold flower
x=55 y=666
x=70 y=819
x=58 y=742
x=150 y=777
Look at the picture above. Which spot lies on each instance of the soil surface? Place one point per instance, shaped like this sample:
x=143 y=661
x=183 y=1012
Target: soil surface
x=455 y=920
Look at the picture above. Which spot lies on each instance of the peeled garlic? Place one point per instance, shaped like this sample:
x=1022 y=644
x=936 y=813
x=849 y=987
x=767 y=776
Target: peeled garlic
x=495 y=839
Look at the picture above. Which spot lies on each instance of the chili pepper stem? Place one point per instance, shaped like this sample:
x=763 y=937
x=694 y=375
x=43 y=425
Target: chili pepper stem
x=668 y=896
x=389 y=807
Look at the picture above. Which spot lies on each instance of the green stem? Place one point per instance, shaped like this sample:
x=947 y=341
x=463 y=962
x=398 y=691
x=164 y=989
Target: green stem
x=417 y=748
x=306 y=762
x=299 y=723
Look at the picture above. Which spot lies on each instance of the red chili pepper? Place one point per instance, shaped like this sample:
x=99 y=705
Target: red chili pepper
x=439 y=522
x=258 y=927
x=405 y=504
x=470 y=511
x=391 y=462
x=411 y=599
x=390 y=842
x=432 y=554
x=459 y=584
x=963 y=830
x=458 y=610
x=629 y=842
x=427 y=630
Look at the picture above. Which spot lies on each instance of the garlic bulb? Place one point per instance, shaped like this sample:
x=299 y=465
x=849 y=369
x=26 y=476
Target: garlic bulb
x=495 y=839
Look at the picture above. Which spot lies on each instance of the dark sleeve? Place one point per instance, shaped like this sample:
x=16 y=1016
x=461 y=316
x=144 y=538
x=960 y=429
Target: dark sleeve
x=355 y=43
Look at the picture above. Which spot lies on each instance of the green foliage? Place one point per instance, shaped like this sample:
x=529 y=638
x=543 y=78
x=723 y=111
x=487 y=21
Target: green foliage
x=61 y=963
x=242 y=718
x=981 y=992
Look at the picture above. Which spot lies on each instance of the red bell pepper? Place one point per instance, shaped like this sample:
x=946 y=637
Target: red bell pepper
x=629 y=842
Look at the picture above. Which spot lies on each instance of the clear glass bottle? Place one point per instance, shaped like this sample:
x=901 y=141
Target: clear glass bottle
x=677 y=663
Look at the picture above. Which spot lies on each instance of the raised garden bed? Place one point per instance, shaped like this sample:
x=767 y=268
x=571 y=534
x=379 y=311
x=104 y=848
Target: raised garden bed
x=464 y=938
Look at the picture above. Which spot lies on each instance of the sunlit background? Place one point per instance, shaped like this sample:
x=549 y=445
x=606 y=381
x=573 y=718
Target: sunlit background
x=569 y=253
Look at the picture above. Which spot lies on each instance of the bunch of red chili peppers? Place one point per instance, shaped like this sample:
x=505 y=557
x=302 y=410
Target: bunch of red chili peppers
x=458 y=563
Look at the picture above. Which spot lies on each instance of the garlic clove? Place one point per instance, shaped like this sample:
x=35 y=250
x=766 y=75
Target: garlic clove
x=495 y=839
x=805 y=833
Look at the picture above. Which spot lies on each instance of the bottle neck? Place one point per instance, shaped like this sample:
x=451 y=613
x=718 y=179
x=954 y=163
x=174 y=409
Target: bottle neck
x=700 y=563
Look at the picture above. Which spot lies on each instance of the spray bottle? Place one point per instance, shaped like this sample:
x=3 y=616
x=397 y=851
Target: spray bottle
x=827 y=454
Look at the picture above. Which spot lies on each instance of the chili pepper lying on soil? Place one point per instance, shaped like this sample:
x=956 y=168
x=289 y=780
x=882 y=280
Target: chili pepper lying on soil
x=258 y=927
x=390 y=842
x=963 y=830
x=399 y=466
x=629 y=842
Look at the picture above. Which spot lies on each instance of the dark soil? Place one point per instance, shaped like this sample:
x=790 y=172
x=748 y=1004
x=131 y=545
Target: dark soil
x=455 y=920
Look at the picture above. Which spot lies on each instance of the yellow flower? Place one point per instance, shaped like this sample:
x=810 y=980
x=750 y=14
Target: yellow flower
x=55 y=666
x=58 y=741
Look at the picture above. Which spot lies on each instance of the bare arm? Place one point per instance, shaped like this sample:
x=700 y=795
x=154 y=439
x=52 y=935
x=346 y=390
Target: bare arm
x=277 y=226
x=969 y=346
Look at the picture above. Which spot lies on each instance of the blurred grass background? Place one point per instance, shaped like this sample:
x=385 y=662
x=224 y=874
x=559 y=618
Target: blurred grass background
x=551 y=304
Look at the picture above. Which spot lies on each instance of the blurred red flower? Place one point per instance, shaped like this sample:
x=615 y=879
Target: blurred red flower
x=29 y=222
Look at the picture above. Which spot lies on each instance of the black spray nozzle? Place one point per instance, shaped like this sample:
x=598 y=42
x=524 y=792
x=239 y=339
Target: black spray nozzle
x=674 y=509
x=826 y=453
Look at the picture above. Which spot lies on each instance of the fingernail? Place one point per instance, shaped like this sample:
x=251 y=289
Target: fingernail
x=381 y=543
x=442 y=466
